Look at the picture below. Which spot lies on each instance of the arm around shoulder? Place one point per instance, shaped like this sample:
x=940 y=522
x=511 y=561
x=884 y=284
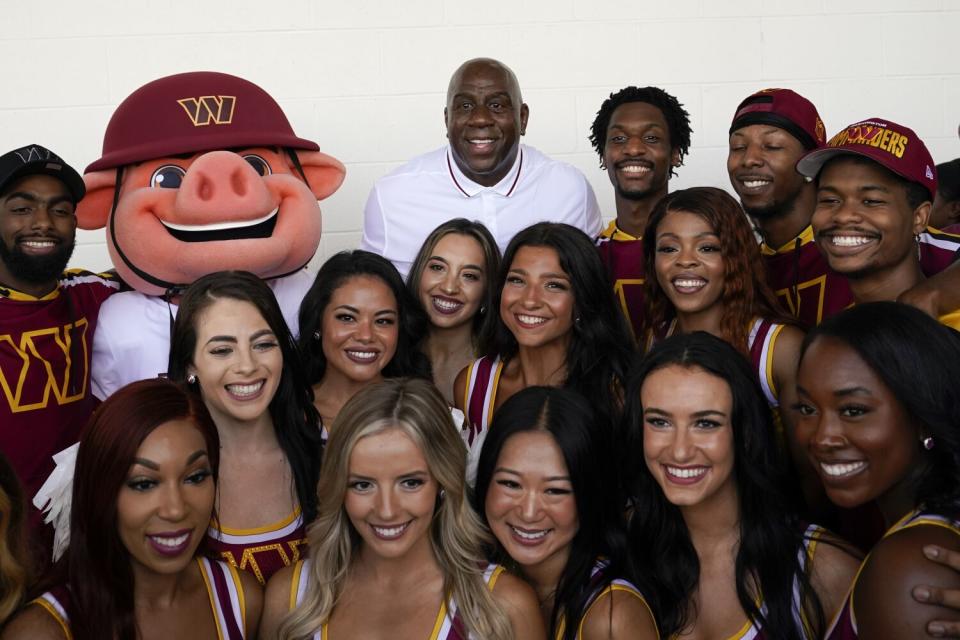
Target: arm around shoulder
x=884 y=606
x=834 y=567
x=33 y=623
x=619 y=614
x=276 y=602
x=520 y=603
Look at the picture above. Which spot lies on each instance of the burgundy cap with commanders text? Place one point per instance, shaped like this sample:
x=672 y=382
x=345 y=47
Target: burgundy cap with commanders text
x=892 y=145
x=191 y=113
x=785 y=109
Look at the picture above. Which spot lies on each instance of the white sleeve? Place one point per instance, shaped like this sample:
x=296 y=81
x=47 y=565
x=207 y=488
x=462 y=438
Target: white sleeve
x=104 y=371
x=374 y=225
x=592 y=220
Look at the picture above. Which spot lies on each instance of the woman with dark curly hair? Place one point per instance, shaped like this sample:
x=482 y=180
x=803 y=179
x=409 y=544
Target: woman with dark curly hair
x=558 y=325
x=359 y=324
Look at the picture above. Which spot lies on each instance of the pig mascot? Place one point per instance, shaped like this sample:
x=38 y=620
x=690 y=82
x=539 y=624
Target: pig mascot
x=200 y=172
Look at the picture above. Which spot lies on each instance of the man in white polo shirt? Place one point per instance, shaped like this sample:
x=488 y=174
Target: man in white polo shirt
x=483 y=174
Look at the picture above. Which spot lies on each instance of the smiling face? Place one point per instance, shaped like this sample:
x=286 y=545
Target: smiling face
x=37 y=229
x=856 y=433
x=637 y=152
x=237 y=361
x=530 y=505
x=391 y=494
x=688 y=436
x=485 y=117
x=537 y=301
x=689 y=263
x=453 y=281
x=359 y=329
x=762 y=163
x=863 y=223
x=164 y=507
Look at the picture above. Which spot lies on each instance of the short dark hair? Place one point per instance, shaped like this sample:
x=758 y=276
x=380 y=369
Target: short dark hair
x=678 y=120
x=948 y=180
x=918 y=360
x=408 y=360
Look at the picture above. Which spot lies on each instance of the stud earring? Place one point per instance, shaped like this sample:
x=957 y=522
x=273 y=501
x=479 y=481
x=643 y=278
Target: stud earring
x=928 y=443
x=807 y=178
x=192 y=379
x=316 y=334
x=483 y=309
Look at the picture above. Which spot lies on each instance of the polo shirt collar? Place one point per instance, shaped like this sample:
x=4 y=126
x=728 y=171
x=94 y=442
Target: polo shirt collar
x=469 y=188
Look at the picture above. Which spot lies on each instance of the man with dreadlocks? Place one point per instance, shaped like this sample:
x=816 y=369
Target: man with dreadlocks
x=641 y=136
x=47 y=316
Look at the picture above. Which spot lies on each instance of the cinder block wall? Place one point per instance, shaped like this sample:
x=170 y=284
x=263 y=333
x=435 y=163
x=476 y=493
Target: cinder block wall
x=367 y=78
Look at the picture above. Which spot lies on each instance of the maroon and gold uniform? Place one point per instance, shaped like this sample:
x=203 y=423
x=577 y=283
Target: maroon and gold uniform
x=811 y=291
x=45 y=347
x=622 y=255
x=262 y=551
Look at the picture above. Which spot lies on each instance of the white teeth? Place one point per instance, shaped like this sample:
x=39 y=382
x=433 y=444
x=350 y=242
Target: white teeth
x=170 y=542
x=363 y=355
x=849 y=241
x=219 y=226
x=245 y=389
x=479 y=141
x=634 y=168
x=38 y=244
x=842 y=468
x=530 y=319
x=446 y=305
x=753 y=184
x=530 y=535
x=389 y=532
x=679 y=472
x=689 y=283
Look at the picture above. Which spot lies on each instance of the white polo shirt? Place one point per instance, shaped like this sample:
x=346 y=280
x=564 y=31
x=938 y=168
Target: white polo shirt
x=407 y=204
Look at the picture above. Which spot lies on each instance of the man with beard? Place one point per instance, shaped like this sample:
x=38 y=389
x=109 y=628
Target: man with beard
x=483 y=174
x=641 y=136
x=47 y=315
x=771 y=130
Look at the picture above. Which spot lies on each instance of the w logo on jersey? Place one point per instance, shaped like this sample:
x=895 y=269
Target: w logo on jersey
x=45 y=367
x=205 y=110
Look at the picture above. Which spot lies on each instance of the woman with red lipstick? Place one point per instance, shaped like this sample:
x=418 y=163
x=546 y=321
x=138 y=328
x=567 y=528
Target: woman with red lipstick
x=396 y=546
x=558 y=325
x=710 y=525
x=143 y=494
x=231 y=345
x=877 y=413
x=358 y=325
x=451 y=276
x=543 y=485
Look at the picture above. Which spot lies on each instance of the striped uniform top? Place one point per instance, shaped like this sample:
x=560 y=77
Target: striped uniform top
x=448 y=624
x=844 y=626
x=224 y=590
x=264 y=550
x=600 y=590
x=483 y=379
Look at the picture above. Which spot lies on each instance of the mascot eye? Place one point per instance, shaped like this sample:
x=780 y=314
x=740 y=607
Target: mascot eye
x=259 y=165
x=169 y=176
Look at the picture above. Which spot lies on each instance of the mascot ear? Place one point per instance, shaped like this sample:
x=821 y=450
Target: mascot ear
x=324 y=173
x=93 y=210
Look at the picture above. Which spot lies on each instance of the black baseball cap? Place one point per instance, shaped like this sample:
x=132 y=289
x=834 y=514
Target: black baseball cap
x=33 y=159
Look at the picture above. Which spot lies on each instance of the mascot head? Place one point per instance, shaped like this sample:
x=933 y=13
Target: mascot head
x=202 y=172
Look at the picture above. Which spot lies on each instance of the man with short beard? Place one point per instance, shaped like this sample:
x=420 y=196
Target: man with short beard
x=771 y=130
x=47 y=315
x=641 y=136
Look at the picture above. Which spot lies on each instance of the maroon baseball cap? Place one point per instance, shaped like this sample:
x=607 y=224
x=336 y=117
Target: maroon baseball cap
x=785 y=109
x=191 y=113
x=892 y=145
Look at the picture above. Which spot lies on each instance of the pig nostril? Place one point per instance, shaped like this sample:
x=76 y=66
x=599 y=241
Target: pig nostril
x=205 y=189
x=238 y=183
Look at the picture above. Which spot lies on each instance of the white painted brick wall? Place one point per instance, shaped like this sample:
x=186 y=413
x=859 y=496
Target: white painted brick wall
x=366 y=79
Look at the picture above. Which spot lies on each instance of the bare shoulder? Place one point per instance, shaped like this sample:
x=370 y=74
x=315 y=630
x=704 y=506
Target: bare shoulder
x=276 y=601
x=786 y=352
x=619 y=614
x=521 y=606
x=459 y=389
x=253 y=599
x=34 y=623
x=833 y=567
x=882 y=598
